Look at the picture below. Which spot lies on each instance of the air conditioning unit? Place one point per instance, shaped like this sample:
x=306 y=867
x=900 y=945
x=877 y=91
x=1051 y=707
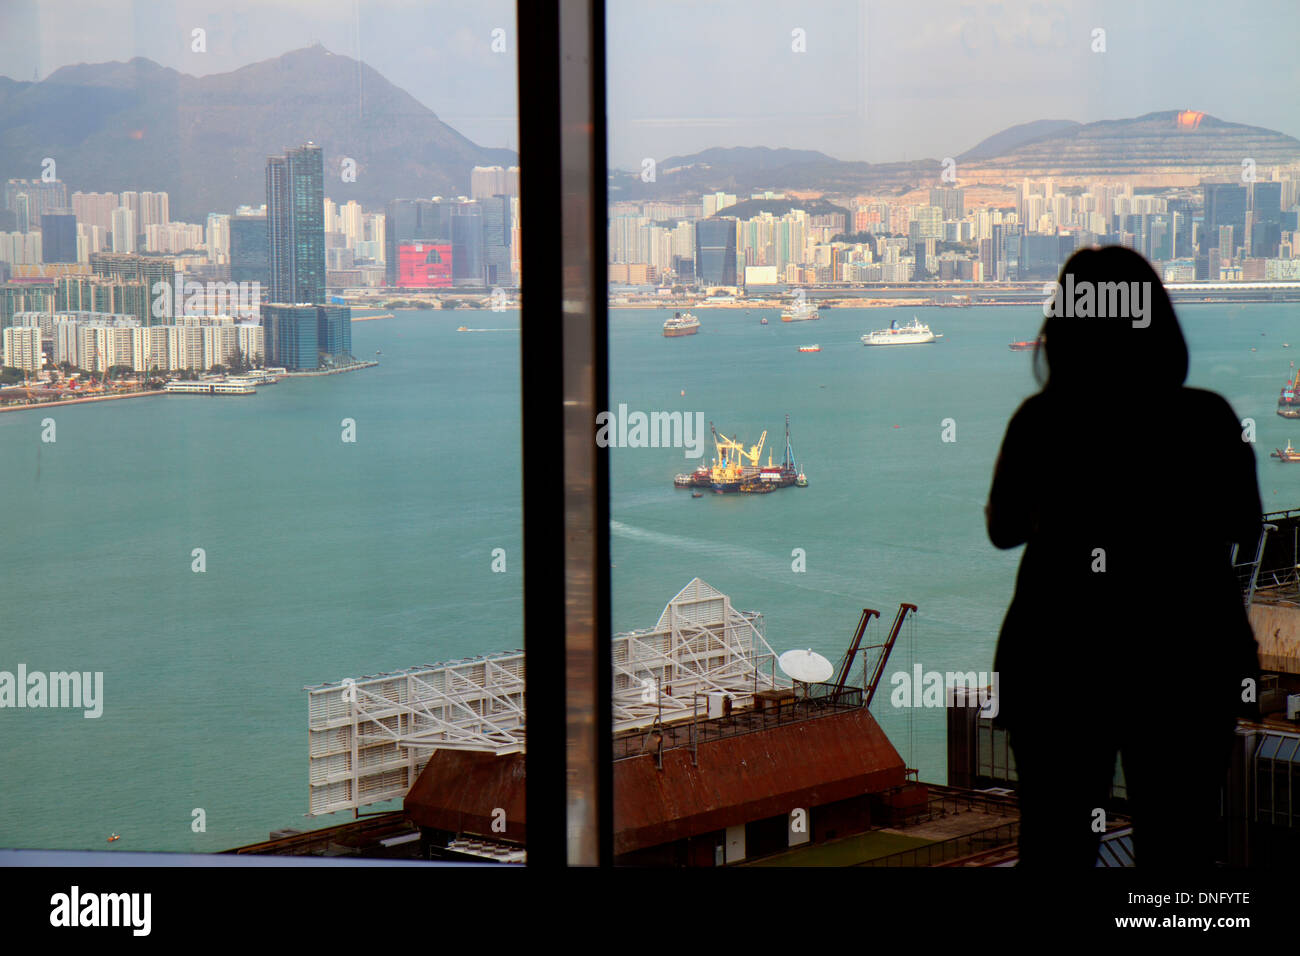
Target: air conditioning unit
x=1293 y=707
x=719 y=705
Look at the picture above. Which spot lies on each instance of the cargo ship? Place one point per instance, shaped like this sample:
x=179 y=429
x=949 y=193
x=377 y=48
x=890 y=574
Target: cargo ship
x=914 y=334
x=682 y=323
x=736 y=470
x=801 y=311
x=1288 y=403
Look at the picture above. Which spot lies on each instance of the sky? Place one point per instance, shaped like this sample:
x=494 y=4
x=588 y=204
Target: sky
x=871 y=81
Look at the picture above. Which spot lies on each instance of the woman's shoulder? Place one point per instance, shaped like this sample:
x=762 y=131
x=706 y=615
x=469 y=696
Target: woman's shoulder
x=1208 y=402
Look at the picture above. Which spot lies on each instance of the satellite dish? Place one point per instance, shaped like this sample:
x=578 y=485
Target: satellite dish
x=807 y=667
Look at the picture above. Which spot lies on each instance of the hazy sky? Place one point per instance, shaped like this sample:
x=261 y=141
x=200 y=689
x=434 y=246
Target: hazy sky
x=878 y=81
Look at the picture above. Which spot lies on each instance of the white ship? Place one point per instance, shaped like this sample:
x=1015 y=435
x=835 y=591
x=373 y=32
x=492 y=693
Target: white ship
x=801 y=311
x=682 y=323
x=913 y=334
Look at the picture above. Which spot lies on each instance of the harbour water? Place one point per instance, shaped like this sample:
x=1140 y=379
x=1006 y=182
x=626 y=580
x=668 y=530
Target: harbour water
x=327 y=559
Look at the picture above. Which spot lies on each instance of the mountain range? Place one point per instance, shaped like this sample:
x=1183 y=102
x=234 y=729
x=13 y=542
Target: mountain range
x=1171 y=144
x=204 y=140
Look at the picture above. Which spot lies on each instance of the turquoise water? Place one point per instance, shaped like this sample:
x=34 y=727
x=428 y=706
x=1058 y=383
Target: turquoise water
x=327 y=559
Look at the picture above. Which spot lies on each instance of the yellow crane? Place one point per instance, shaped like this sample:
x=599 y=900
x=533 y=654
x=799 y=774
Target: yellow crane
x=730 y=463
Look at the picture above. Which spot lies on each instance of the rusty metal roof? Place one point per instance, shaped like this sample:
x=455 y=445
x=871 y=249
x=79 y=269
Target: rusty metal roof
x=739 y=779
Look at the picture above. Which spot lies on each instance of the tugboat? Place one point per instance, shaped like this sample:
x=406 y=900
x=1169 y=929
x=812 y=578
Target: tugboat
x=1286 y=454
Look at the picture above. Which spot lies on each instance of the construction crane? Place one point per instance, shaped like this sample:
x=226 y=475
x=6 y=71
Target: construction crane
x=730 y=463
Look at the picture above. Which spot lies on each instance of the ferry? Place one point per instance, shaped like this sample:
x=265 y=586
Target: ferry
x=802 y=311
x=1286 y=454
x=682 y=323
x=913 y=334
x=229 y=387
x=1029 y=345
x=810 y=348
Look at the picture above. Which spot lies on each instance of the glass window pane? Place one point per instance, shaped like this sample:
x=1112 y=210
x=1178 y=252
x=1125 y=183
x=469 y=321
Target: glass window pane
x=289 y=235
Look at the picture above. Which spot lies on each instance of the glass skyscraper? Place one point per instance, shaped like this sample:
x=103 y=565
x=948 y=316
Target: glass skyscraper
x=715 y=251
x=248 y=249
x=412 y=220
x=295 y=225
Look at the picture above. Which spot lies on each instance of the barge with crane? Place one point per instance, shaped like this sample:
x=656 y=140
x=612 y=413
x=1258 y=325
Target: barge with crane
x=738 y=470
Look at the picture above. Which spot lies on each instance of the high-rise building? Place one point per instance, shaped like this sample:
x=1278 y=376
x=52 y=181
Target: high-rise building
x=1227 y=249
x=496 y=241
x=412 y=220
x=303 y=337
x=143 y=273
x=1266 y=218
x=29 y=199
x=249 y=253
x=487 y=181
x=1225 y=205
x=467 y=237
x=950 y=199
x=715 y=251
x=295 y=225
x=124 y=229
x=217 y=238
x=95 y=209
x=153 y=210
x=22 y=348
x=59 y=236
x=424 y=265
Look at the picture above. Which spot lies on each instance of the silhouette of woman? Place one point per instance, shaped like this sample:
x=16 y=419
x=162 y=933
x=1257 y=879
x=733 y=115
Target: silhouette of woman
x=1127 y=633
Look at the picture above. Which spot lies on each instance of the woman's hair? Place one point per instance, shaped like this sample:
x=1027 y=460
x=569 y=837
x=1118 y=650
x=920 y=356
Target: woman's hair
x=1101 y=335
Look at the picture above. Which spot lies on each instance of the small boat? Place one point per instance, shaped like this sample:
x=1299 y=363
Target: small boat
x=1254 y=350
x=462 y=329
x=114 y=836
x=1029 y=345
x=378 y=352
x=810 y=348
x=801 y=481
x=1286 y=454
x=697 y=494
x=763 y=321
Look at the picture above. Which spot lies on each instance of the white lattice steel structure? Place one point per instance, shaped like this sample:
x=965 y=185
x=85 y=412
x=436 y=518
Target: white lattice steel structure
x=370 y=738
x=700 y=645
